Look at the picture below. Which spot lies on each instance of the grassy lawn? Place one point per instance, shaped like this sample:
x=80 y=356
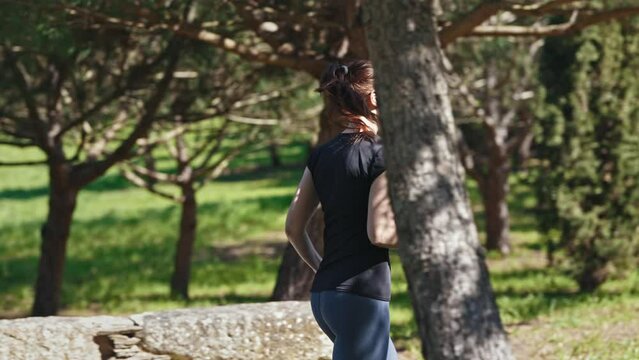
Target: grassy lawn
x=121 y=249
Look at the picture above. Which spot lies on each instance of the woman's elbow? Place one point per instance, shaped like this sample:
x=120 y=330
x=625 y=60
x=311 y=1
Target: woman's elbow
x=370 y=231
x=381 y=237
x=374 y=235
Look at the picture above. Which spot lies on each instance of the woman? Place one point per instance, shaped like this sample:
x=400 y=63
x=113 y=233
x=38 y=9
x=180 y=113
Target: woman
x=350 y=294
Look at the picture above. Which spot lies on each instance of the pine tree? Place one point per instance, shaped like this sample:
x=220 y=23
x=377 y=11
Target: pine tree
x=588 y=139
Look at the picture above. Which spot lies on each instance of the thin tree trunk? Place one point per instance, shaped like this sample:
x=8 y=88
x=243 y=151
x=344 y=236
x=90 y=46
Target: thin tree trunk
x=276 y=161
x=494 y=189
x=494 y=192
x=54 y=233
x=149 y=163
x=186 y=241
x=454 y=304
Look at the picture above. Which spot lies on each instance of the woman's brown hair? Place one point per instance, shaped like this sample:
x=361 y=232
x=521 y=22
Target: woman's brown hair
x=346 y=88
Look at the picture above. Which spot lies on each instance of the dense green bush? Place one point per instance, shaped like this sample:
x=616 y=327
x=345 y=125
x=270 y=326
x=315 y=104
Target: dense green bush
x=588 y=141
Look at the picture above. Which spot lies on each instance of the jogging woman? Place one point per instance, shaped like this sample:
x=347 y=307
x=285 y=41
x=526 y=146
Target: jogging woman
x=350 y=294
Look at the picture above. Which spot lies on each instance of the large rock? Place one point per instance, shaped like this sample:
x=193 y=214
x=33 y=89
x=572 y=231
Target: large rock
x=58 y=337
x=273 y=330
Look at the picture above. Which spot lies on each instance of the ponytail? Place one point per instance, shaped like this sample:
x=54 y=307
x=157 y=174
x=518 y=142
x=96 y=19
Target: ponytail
x=346 y=88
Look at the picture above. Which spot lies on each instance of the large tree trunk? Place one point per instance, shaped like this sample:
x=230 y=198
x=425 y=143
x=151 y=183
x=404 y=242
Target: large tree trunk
x=184 y=249
x=454 y=304
x=494 y=190
x=55 y=233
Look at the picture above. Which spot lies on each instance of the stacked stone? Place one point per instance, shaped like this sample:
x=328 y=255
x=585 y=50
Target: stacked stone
x=124 y=344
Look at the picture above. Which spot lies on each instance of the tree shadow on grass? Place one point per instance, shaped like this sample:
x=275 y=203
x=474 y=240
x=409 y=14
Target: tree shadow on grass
x=526 y=300
x=535 y=304
x=24 y=194
x=110 y=182
x=286 y=175
x=269 y=249
x=526 y=294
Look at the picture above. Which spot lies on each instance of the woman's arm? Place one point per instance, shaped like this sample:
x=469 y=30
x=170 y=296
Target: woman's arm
x=381 y=219
x=302 y=208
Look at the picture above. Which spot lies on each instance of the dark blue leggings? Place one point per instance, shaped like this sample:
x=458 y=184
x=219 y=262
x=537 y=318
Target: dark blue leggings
x=358 y=326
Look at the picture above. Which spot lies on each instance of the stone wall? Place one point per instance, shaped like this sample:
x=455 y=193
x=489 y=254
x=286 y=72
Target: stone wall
x=272 y=330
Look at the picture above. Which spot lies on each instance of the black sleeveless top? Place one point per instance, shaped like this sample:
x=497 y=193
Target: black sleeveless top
x=343 y=170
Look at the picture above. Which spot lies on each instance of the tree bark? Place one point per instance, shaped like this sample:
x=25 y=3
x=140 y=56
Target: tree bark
x=54 y=233
x=494 y=190
x=449 y=284
x=184 y=249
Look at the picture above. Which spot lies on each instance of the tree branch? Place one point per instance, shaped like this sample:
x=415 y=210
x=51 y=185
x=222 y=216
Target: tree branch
x=212 y=171
x=167 y=136
x=253 y=121
x=520 y=137
x=87 y=172
x=217 y=136
x=8 y=126
x=156 y=175
x=470 y=21
x=96 y=150
x=310 y=65
x=16 y=143
x=471 y=24
x=216 y=146
x=138 y=181
x=134 y=75
x=576 y=24
x=541 y=8
x=58 y=73
x=25 y=89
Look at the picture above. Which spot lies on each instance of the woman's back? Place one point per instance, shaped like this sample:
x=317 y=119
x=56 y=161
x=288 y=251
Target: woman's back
x=350 y=294
x=343 y=170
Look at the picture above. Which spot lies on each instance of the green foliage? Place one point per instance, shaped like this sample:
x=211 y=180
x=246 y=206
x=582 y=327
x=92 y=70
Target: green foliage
x=33 y=25
x=588 y=138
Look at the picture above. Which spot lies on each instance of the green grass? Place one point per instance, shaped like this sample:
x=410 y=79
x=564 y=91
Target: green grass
x=120 y=253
